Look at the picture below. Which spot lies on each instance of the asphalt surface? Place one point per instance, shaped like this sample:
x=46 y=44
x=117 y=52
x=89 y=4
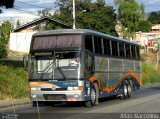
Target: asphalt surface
x=144 y=104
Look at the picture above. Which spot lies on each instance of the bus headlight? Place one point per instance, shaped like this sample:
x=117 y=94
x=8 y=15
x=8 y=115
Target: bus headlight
x=75 y=88
x=70 y=88
x=35 y=88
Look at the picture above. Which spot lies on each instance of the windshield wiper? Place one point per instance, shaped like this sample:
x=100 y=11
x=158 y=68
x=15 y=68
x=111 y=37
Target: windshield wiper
x=46 y=69
x=61 y=72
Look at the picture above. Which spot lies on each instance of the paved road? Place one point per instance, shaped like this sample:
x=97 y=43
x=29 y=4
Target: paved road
x=145 y=100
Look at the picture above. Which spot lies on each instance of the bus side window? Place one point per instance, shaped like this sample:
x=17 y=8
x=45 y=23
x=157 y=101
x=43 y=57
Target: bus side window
x=128 y=52
x=98 y=45
x=133 y=51
x=121 y=49
x=89 y=43
x=137 y=52
x=106 y=45
x=114 y=48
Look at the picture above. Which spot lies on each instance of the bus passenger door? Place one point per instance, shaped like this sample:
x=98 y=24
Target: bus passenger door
x=88 y=71
x=88 y=65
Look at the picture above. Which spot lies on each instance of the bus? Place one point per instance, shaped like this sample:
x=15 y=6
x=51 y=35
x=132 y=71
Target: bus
x=106 y=66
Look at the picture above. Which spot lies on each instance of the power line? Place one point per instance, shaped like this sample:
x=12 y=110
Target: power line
x=32 y=5
x=19 y=10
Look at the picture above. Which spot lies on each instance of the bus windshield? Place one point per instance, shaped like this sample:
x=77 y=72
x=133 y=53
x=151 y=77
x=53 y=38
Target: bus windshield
x=60 y=65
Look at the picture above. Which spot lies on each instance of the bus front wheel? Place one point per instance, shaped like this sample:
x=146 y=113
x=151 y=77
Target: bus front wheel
x=92 y=101
x=97 y=93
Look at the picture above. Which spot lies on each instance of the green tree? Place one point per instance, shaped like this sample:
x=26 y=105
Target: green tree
x=44 y=13
x=154 y=18
x=144 y=26
x=129 y=14
x=6 y=30
x=6 y=3
x=89 y=15
x=4 y=37
x=18 y=24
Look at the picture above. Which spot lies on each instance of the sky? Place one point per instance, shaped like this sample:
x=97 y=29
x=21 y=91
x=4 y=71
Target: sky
x=22 y=10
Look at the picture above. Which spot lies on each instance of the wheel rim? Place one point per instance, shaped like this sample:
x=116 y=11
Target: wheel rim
x=129 y=89
x=125 y=90
x=93 y=96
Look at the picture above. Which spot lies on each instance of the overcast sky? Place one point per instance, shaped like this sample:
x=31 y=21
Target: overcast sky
x=22 y=10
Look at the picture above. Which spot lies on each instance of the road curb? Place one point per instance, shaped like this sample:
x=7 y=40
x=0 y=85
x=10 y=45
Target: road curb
x=151 y=85
x=15 y=102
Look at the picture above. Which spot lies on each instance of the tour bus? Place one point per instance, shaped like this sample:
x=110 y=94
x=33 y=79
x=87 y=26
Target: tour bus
x=82 y=65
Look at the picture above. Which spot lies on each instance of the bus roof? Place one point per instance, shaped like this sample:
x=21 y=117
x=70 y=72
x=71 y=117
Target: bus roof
x=79 y=31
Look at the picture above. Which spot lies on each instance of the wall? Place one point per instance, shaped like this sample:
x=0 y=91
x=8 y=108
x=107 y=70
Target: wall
x=20 y=41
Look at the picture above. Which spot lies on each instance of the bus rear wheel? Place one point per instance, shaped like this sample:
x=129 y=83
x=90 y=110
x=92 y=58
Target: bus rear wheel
x=129 y=88
x=124 y=94
x=92 y=102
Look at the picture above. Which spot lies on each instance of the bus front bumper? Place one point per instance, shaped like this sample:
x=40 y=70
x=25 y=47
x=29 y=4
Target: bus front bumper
x=57 y=95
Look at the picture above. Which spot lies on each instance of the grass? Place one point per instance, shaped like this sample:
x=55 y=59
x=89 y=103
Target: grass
x=13 y=81
x=149 y=74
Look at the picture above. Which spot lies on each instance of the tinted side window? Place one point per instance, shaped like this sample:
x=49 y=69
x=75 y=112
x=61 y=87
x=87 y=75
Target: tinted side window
x=98 y=45
x=121 y=49
x=89 y=43
x=133 y=51
x=137 y=52
x=107 y=48
x=128 y=52
x=114 y=48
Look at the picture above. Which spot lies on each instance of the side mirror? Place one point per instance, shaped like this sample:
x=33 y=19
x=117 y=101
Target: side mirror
x=25 y=62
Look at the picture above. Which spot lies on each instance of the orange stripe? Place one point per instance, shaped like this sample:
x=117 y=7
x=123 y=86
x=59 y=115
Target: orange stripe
x=92 y=79
x=38 y=83
x=129 y=73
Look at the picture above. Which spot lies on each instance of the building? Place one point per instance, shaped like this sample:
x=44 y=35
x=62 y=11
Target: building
x=148 y=40
x=20 y=38
x=155 y=28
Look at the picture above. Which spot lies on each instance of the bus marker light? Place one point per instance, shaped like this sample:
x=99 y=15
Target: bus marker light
x=34 y=96
x=80 y=87
x=71 y=99
x=76 y=96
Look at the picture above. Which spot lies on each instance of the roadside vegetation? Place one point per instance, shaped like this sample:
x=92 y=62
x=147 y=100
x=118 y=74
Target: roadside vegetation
x=13 y=81
x=150 y=74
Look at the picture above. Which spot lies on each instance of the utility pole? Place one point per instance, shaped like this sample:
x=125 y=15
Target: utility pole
x=158 y=53
x=74 y=16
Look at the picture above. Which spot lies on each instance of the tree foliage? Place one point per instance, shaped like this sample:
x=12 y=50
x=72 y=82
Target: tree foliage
x=129 y=14
x=18 y=24
x=144 y=26
x=4 y=37
x=44 y=13
x=89 y=15
x=154 y=18
x=6 y=3
x=6 y=30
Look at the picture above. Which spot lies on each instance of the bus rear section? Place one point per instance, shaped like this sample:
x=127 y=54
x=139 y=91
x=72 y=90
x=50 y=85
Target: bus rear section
x=64 y=67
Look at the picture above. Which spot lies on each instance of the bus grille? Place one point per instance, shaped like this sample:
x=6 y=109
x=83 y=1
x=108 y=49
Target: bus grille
x=54 y=96
x=50 y=89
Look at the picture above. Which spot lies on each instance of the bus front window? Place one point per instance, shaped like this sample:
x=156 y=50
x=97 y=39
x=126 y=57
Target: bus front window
x=60 y=66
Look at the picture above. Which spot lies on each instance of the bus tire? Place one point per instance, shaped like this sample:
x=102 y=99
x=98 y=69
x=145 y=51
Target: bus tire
x=37 y=103
x=129 y=88
x=48 y=103
x=92 y=102
x=124 y=94
x=97 y=93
